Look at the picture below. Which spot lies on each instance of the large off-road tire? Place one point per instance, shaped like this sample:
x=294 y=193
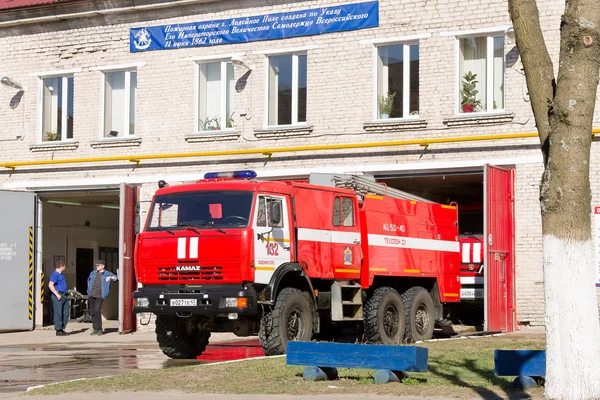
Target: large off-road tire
x=290 y=319
x=174 y=340
x=384 y=317
x=419 y=314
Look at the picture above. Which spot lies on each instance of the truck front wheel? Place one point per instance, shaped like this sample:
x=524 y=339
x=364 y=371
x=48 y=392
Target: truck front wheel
x=290 y=319
x=420 y=315
x=177 y=341
x=384 y=317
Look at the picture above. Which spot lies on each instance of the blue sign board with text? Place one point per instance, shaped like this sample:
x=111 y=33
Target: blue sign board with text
x=315 y=21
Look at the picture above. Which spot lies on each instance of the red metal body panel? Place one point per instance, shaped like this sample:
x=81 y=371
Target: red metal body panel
x=225 y=258
x=408 y=238
x=313 y=207
x=500 y=242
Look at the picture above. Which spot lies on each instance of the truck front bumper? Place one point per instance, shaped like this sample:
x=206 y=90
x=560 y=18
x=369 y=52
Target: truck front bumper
x=217 y=300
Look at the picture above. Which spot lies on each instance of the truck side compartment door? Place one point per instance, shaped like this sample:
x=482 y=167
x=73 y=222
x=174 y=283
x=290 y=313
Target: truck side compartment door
x=345 y=239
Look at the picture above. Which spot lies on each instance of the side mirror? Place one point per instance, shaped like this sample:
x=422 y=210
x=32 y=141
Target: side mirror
x=275 y=213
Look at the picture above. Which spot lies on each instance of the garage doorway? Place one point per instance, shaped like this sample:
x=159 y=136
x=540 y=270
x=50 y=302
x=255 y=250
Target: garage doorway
x=82 y=227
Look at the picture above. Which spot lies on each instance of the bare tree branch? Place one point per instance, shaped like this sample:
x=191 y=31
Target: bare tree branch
x=536 y=61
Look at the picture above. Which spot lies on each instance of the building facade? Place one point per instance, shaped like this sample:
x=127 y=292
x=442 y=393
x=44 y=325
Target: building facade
x=95 y=97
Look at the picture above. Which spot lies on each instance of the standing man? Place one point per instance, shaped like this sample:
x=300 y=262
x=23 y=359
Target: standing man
x=60 y=303
x=98 y=288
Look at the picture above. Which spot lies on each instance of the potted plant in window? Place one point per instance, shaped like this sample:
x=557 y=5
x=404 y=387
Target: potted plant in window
x=469 y=92
x=207 y=124
x=51 y=136
x=386 y=105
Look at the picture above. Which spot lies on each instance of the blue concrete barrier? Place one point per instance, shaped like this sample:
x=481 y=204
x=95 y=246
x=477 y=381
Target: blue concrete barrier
x=529 y=366
x=322 y=359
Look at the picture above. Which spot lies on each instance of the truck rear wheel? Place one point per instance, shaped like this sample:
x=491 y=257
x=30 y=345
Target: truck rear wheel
x=419 y=314
x=176 y=342
x=384 y=317
x=290 y=319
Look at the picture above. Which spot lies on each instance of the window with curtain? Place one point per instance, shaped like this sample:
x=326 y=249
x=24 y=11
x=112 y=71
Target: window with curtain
x=216 y=85
x=287 y=88
x=120 y=92
x=397 y=81
x=57 y=108
x=481 y=87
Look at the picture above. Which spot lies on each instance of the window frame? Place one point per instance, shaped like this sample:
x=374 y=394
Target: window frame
x=127 y=70
x=406 y=82
x=295 y=81
x=198 y=62
x=490 y=36
x=65 y=75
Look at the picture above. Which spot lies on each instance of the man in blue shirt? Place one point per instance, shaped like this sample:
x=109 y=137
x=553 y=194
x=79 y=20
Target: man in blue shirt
x=98 y=289
x=60 y=303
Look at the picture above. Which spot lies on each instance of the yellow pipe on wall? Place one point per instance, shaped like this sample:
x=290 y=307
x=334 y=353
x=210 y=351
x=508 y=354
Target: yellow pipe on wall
x=271 y=151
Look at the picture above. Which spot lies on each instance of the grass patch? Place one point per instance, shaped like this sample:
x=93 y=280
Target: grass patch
x=457 y=368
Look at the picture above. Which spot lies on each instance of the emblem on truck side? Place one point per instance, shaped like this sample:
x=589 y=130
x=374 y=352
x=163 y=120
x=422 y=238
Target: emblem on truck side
x=187 y=268
x=347 y=256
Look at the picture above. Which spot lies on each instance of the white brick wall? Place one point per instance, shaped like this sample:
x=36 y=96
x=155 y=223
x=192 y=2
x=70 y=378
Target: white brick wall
x=340 y=87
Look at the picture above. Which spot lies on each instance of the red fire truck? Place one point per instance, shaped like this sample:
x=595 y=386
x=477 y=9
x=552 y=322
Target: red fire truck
x=293 y=261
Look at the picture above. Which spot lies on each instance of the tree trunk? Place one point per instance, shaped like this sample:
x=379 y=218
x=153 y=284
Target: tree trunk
x=571 y=303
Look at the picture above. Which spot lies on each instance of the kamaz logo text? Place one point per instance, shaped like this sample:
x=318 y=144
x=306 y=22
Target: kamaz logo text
x=187 y=268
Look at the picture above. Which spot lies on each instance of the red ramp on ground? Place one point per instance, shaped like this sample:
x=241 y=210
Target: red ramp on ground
x=230 y=351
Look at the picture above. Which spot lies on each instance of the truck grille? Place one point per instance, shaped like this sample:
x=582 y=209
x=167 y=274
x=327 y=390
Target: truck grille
x=205 y=274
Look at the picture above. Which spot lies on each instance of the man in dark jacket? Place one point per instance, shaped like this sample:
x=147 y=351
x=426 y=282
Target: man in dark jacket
x=98 y=289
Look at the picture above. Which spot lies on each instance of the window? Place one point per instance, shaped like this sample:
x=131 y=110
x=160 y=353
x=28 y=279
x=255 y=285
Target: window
x=397 y=81
x=120 y=92
x=264 y=206
x=286 y=89
x=110 y=255
x=57 y=108
x=346 y=216
x=215 y=88
x=200 y=210
x=481 y=72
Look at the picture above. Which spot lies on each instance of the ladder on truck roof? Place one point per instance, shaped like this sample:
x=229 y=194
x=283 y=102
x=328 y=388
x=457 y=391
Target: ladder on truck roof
x=363 y=186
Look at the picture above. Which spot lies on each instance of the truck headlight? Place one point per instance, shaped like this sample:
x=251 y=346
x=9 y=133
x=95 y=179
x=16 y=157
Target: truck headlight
x=142 y=302
x=238 y=302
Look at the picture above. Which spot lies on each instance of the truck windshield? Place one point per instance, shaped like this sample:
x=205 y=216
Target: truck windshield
x=200 y=210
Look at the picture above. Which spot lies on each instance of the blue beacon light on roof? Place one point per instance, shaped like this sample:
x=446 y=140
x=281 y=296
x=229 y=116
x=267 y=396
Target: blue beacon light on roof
x=243 y=174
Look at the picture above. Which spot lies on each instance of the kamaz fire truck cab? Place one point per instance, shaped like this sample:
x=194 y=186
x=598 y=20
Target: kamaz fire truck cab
x=289 y=261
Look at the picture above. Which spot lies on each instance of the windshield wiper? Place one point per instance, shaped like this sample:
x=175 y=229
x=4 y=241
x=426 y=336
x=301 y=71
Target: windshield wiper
x=189 y=226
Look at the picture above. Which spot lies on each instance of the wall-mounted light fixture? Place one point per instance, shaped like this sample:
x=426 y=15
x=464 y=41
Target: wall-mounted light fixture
x=239 y=60
x=110 y=206
x=510 y=35
x=64 y=203
x=9 y=82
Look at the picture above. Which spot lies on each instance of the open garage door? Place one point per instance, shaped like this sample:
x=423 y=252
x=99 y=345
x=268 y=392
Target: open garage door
x=499 y=253
x=17 y=260
x=128 y=199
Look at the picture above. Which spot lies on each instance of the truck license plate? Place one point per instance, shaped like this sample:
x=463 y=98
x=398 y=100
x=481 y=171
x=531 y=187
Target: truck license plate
x=183 y=302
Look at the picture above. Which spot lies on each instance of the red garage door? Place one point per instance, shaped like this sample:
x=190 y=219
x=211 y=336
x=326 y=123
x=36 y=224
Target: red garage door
x=499 y=255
